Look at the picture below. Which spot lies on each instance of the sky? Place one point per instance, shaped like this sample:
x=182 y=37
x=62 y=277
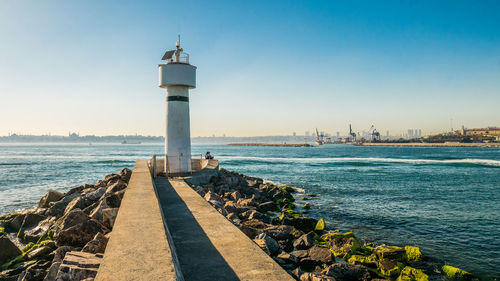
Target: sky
x=263 y=67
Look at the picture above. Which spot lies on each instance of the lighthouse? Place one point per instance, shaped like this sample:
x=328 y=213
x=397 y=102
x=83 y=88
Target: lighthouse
x=177 y=75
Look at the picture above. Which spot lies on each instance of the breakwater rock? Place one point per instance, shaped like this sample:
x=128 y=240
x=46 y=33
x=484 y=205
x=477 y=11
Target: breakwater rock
x=65 y=236
x=305 y=246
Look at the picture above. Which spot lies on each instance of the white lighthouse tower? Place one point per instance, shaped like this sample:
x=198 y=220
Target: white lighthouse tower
x=177 y=76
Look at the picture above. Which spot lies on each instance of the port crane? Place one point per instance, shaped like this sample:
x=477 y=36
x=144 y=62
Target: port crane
x=374 y=133
x=319 y=138
x=352 y=134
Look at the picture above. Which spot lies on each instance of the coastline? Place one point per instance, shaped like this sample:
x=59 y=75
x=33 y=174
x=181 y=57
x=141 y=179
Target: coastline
x=424 y=144
x=64 y=237
x=265 y=212
x=305 y=246
x=273 y=144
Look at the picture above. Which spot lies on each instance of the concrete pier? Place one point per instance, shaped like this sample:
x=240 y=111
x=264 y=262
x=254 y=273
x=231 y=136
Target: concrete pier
x=204 y=245
x=209 y=247
x=138 y=248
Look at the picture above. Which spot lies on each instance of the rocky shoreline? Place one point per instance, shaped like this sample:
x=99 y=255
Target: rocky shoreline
x=65 y=236
x=304 y=246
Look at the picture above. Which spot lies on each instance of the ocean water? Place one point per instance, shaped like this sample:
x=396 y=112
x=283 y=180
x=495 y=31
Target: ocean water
x=445 y=200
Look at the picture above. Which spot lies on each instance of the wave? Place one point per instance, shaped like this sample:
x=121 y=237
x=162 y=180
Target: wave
x=112 y=161
x=15 y=164
x=369 y=160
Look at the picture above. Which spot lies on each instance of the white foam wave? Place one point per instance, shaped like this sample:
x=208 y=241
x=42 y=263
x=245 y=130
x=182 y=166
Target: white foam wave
x=485 y=162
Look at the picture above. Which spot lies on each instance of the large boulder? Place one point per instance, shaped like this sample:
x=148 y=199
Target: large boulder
x=233 y=218
x=302 y=223
x=42 y=251
x=254 y=215
x=268 y=206
x=390 y=253
x=390 y=268
x=308 y=276
x=231 y=207
x=456 y=273
x=96 y=213
x=96 y=245
x=114 y=200
x=35 y=233
x=15 y=222
x=60 y=252
x=267 y=243
x=109 y=217
x=413 y=254
x=369 y=261
x=125 y=174
x=8 y=249
x=342 y=244
x=77 y=229
x=300 y=254
x=287 y=258
x=57 y=208
x=412 y=274
x=52 y=272
x=347 y=272
x=78 y=235
x=280 y=232
x=35 y=271
x=94 y=194
x=51 y=196
x=110 y=179
x=235 y=196
x=214 y=199
x=254 y=227
x=321 y=255
x=31 y=219
x=78 y=266
x=250 y=202
x=116 y=186
x=304 y=242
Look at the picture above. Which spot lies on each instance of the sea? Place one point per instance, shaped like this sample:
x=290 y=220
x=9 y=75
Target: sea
x=445 y=200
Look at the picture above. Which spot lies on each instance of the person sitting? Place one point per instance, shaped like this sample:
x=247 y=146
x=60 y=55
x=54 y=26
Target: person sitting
x=208 y=155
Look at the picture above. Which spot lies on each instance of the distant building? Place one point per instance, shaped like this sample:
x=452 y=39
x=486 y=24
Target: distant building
x=387 y=134
x=307 y=134
x=495 y=131
x=294 y=134
x=410 y=133
x=338 y=134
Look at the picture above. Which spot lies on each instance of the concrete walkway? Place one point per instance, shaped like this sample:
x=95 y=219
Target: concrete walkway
x=138 y=248
x=208 y=246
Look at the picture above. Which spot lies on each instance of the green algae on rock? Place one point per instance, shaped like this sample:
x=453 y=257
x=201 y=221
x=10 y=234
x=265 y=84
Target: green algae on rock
x=307 y=205
x=412 y=274
x=413 y=254
x=320 y=225
x=390 y=268
x=369 y=261
x=456 y=273
x=343 y=245
x=288 y=189
x=394 y=253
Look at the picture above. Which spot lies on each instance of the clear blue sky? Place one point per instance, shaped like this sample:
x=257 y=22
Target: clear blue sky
x=264 y=67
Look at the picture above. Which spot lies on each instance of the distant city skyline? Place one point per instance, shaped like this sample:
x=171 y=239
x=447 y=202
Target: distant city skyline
x=264 y=68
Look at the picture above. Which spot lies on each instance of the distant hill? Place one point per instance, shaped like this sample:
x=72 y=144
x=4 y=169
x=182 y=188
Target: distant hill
x=75 y=138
